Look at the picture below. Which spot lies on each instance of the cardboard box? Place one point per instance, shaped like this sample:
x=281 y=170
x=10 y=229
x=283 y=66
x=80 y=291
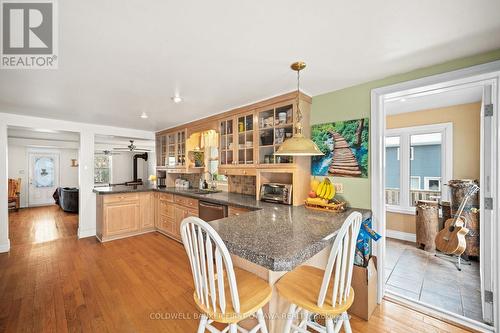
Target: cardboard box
x=364 y=283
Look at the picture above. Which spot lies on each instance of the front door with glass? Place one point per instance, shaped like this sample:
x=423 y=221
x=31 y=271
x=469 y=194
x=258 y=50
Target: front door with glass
x=43 y=178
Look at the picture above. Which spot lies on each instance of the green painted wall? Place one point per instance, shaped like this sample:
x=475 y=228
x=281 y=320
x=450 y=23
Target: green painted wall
x=354 y=103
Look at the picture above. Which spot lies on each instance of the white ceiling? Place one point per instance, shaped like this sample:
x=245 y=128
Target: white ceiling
x=119 y=58
x=434 y=100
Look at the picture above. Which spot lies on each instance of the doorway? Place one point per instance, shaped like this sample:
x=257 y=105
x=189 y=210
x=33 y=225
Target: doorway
x=424 y=178
x=45 y=163
x=43 y=178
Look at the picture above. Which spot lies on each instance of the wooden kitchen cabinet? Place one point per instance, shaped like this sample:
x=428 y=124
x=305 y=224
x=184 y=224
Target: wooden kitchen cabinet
x=147 y=213
x=119 y=215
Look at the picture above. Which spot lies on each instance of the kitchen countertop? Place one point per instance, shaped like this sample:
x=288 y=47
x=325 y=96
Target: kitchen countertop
x=277 y=237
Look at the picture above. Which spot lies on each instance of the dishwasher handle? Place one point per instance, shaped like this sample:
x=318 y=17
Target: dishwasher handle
x=211 y=205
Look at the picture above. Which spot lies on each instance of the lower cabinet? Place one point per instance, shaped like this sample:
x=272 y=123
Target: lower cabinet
x=125 y=214
x=172 y=209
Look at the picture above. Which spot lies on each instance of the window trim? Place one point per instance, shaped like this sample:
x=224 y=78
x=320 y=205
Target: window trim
x=404 y=133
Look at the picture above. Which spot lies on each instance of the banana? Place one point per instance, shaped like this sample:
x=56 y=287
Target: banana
x=323 y=189
x=328 y=191
x=332 y=192
x=314 y=184
x=319 y=189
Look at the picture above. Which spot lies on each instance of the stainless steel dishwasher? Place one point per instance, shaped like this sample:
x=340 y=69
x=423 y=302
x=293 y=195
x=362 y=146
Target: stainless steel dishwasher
x=208 y=211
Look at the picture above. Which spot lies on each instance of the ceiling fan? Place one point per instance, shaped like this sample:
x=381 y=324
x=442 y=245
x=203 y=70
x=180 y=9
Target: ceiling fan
x=131 y=147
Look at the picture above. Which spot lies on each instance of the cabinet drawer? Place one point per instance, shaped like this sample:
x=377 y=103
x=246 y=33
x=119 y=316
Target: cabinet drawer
x=235 y=211
x=186 y=202
x=239 y=172
x=167 y=197
x=122 y=197
x=166 y=224
x=166 y=208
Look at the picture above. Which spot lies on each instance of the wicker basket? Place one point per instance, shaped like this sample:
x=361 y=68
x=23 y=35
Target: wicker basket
x=335 y=207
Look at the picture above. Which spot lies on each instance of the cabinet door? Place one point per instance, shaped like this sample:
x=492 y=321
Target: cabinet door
x=147 y=210
x=180 y=214
x=121 y=218
x=227 y=144
x=245 y=139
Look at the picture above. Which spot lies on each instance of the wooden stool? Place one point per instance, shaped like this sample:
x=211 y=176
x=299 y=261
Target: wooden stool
x=222 y=294
x=301 y=286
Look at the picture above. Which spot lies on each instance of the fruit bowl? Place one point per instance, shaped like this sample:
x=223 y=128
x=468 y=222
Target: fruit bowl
x=336 y=206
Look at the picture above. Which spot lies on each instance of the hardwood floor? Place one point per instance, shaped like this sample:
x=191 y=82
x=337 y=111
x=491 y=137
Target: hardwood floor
x=52 y=282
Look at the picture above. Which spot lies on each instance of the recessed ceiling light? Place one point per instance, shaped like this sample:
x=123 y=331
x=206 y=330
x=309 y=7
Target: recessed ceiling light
x=144 y=115
x=403 y=99
x=177 y=99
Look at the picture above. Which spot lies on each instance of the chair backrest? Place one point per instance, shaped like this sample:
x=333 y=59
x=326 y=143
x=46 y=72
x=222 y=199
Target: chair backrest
x=209 y=259
x=14 y=187
x=340 y=262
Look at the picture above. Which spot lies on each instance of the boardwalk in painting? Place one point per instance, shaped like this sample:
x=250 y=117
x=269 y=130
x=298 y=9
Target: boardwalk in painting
x=344 y=162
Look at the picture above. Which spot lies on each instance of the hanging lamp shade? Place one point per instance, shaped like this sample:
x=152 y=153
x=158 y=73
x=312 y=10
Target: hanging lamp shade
x=298 y=144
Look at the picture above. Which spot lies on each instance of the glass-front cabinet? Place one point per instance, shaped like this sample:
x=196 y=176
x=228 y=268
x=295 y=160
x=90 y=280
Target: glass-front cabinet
x=245 y=139
x=237 y=140
x=275 y=126
x=226 y=146
x=171 y=149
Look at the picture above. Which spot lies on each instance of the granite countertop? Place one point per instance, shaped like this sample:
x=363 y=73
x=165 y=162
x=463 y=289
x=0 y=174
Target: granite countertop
x=277 y=237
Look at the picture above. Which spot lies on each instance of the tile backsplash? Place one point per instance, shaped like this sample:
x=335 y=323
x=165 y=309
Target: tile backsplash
x=242 y=184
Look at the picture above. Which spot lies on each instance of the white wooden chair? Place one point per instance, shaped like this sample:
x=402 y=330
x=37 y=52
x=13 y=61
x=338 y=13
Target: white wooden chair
x=327 y=293
x=223 y=294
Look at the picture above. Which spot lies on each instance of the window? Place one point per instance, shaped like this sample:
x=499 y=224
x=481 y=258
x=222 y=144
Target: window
x=432 y=183
x=102 y=169
x=415 y=182
x=418 y=161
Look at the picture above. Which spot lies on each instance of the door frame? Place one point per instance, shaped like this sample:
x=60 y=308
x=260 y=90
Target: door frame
x=30 y=152
x=475 y=75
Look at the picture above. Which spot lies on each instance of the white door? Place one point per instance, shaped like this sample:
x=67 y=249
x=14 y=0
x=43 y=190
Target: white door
x=488 y=174
x=43 y=178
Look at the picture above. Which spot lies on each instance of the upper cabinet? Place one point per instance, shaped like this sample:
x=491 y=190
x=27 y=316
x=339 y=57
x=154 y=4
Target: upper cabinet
x=248 y=137
x=276 y=123
x=171 y=149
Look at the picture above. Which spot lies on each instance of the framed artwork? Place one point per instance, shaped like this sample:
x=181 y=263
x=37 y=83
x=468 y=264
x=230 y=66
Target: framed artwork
x=345 y=145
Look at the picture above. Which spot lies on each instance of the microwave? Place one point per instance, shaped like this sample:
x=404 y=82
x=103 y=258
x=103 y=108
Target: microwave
x=275 y=192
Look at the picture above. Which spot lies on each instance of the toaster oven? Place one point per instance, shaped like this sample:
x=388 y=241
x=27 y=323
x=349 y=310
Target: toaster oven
x=276 y=192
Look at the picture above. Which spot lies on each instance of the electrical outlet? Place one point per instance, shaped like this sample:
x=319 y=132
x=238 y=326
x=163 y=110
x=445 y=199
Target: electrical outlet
x=339 y=188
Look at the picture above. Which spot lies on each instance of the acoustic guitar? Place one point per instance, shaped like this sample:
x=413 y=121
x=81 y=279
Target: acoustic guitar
x=451 y=240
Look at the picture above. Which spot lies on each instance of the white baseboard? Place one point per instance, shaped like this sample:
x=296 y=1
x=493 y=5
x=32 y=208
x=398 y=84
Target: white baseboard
x=5 y=247
x=86 y=233
x=406 y=236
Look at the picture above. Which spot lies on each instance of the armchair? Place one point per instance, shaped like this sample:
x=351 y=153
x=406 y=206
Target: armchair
x=14 y=193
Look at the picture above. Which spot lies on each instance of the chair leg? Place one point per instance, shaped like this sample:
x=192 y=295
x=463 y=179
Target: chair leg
x=203 y=324
x=347 y=324
x=289 y=318
x=262 y=321
x=233 y=328
x=329 y=325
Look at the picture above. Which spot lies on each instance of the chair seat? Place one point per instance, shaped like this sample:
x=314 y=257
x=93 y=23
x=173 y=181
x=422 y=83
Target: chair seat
x=301 y=287
x=254 y=293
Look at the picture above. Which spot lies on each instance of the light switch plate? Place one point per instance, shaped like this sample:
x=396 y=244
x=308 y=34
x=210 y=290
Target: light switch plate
x=339 y=188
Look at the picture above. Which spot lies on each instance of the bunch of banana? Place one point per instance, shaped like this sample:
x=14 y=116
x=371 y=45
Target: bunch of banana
x=325 y=190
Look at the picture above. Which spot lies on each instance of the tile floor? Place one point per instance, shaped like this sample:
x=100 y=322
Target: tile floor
x=422 y=276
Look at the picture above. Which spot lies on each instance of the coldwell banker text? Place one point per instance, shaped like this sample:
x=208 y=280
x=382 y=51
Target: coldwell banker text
x=29 y=34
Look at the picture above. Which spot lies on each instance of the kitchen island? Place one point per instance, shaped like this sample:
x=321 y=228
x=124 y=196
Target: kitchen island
x=268 y=240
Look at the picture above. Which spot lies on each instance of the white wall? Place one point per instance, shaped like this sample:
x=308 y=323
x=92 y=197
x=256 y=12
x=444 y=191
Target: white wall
x=122 y=167
x=18 y=164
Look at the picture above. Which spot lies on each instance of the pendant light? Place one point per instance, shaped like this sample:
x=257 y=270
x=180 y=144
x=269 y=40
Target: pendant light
x=298 y=144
